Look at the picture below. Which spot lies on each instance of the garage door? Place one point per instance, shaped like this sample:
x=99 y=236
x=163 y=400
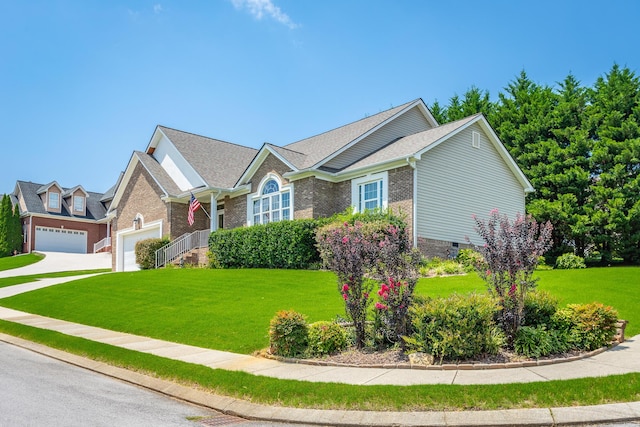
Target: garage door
x=61 y=240
x=129 y=246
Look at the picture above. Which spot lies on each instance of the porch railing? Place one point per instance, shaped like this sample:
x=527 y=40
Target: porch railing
x=104 y=243
x=180 y=246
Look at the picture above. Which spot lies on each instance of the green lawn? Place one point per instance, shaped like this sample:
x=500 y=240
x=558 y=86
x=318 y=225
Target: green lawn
x=231 y=309
x=17 y=280
x=12 y=262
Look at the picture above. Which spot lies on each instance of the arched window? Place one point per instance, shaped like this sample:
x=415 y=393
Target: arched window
x=272 y=203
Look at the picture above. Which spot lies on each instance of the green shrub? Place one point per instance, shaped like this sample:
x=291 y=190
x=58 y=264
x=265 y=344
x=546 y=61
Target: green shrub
x=589 y=326
x=456 y=327
x=439 y=267
x=288 y=334
x=469 y=259
x=283 y=244
x=146 y=252
x=327 y=338
x=539 y=308
x=533 y=341
x=570 y=261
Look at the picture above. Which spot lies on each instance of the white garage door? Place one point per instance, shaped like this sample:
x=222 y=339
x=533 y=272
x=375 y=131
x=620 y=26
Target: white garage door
x=61 y=240
x=129 y=246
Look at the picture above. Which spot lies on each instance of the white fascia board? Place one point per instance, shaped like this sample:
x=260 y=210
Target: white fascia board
x=127 y=176
x=257 y=161
x=372 y=130
x=65 y=218
x=180 y=160
x=355 y=173
x=427 y=113
x=439 y=141
x=155 y=138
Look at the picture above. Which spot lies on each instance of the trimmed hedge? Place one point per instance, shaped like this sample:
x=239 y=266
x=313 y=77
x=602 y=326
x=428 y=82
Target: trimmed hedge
x=146 y=252
x=284 y=244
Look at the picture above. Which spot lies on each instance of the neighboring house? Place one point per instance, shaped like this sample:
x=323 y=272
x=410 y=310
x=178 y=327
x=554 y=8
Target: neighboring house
x=437 y=176
x=59 y=219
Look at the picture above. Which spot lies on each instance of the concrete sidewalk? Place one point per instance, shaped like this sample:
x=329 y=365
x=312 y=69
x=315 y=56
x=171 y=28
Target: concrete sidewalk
x=622 y=359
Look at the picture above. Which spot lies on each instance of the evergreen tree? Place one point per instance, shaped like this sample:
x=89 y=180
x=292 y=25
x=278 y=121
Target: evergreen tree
x=474 y=101
x=5 y=220
x=614 y=117
x=438 y=112
x=16 y=230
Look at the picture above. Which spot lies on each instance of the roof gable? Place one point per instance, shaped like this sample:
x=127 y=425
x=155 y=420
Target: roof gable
x=34 y=204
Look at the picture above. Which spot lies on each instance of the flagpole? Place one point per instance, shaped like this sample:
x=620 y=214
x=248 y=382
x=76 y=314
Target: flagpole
x=202 y=207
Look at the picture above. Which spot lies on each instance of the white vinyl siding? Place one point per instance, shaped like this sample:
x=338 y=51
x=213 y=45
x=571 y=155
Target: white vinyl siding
x=456 y=180
x=413 y=121
x=180 y=171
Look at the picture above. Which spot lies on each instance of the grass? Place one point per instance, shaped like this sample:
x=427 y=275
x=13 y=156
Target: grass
x=230 y=310
x=258 y=389
x=9 y=263
x=10 y=281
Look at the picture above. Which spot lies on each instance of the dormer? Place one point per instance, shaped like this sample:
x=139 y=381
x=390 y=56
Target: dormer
x=51 y=196
x=76 y=200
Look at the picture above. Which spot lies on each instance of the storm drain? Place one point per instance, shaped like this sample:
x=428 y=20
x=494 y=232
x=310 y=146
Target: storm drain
x=221 y=420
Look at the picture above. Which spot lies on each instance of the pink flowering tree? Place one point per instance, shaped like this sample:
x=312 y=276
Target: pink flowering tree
x=511 y=251
x=360 y=254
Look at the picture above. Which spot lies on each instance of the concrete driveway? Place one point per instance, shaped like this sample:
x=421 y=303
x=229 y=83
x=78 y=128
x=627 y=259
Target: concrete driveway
x=59 y=261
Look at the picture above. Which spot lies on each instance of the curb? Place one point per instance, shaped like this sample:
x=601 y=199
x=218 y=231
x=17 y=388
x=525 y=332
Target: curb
x=618 y=412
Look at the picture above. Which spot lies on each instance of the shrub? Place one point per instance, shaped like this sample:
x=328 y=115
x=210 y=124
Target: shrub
x=288 y=334
x=456 y=327
x=533 y=341
x=146 y=252
x=539 y=308
x=511 y=252
x=589 y=326
x=439 y=267
x=327 y=338
x=570 y=261
x=469 y=259
x=283 y=244
x=394 y=299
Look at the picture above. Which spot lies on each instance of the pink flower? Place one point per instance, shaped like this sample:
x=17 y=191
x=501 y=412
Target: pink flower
x=365 y=295
x=345 y=287
x=488 y=273
x=380 y=306
x=345 y=296
x=345 y=239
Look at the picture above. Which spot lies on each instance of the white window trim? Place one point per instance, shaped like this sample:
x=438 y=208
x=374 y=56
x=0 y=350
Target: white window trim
x=49 y=200
x=83 y=203
x=258 y=195
x=358 y=182
x=475 y=139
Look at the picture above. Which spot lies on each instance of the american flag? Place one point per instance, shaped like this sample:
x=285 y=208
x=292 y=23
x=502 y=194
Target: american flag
x=194 y=205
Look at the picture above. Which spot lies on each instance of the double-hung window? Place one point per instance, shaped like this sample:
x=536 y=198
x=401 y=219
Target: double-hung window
x=54 y=200
x=369 y=192
x=272 y=203
x=78 y=203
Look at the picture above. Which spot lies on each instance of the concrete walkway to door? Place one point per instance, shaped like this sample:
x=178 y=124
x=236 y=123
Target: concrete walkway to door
x=58 y=261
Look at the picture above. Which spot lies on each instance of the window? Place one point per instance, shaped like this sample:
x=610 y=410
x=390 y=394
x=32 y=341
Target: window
x=369 y=192
x=54 y=200
x=78 y=203
x=272 y=203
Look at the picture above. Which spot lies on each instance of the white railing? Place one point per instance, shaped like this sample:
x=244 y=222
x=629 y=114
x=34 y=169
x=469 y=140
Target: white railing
x=180 y=246
x=104 y=243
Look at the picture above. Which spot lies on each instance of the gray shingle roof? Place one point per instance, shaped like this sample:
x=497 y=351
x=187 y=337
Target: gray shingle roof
x=111 y=192
x=158 y=173
x=295 y=158
x=410 y=144
x=29 y=190
x=219 y=163
x=322 y=146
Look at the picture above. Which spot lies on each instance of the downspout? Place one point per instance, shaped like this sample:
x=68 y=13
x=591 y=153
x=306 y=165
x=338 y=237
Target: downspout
x=411 y=161
x=31 y=233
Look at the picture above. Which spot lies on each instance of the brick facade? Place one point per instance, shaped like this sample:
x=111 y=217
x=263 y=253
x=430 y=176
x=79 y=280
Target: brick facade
x=401 y=195
x=178 y=224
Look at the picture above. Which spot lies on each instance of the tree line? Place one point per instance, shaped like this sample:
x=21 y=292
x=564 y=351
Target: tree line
x=580 y=148
x=10 y=228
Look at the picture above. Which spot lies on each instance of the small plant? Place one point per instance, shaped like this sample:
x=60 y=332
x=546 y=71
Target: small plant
x=533 y=342
x=439 y=267
x=146 y=252
x=570 y=261
x=469 y=259
x=288 y=334
x=327 y=338
x=539 y=308
x=589 y=326
x=456 y=327
x=394 y=299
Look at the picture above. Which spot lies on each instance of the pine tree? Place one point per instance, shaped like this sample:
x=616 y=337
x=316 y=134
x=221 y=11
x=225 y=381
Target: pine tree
x=5 y=219
x=614 y=117
x=16 y=230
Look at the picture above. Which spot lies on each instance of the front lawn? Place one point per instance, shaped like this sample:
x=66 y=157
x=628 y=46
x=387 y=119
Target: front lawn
x=17 y=280
x=12 y=262
x=230 y=309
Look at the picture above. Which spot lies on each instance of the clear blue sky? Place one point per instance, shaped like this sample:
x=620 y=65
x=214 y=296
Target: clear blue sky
x=83 y=83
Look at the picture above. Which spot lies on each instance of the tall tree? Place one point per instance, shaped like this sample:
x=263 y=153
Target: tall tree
x=614 y=118
x=10 y=228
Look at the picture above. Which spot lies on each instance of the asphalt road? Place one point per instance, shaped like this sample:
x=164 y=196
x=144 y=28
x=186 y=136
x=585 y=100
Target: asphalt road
x=38 y=391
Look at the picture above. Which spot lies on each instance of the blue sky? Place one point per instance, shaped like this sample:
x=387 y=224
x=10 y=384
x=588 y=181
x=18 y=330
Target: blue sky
x=83 y=83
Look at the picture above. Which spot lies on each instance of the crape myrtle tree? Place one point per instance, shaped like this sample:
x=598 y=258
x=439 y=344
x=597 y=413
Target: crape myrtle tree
x=511 y=251
x=363 y=254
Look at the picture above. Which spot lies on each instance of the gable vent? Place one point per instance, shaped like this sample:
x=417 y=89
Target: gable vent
x=475 y=140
